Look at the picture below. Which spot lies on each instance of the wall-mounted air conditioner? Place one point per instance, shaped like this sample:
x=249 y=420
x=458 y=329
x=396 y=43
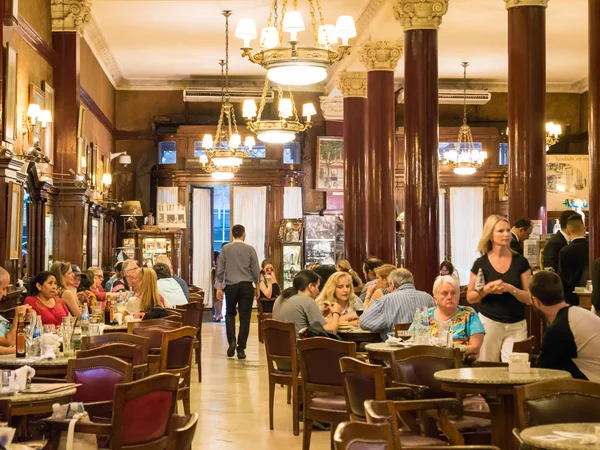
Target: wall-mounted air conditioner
x=193 y=94
x=456 y=97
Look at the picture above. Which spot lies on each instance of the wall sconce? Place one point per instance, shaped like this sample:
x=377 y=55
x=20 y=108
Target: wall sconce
x=106 y=183
x=124 y=158
x=553 y=132
x=35 y=113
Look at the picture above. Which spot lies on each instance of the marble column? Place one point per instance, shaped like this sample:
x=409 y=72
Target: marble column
x=594 y=128
x=527 y=109
x=420 y=20
x=353 y=86
x=381 y=58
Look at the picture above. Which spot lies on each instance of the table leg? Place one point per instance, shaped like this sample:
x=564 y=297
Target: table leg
x=502 y=410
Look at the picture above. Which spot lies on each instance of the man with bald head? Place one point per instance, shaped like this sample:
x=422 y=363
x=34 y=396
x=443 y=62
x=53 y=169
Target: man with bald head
x=8 y=331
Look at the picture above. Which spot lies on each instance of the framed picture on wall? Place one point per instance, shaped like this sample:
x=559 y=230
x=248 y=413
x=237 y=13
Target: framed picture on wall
x=330 y=164
x=92 y=162
x=11 y=12
x=36 y=97
x=48 y=142
x=10 y=95
x=95 y=241
x=82 y=157
x=15 y=219
x=80 y=121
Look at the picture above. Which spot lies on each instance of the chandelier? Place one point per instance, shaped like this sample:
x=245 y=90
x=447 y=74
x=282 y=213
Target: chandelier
x=553 y=131
x=294 y=64
x=465 y=159
x=277 y=131
x=225 y=152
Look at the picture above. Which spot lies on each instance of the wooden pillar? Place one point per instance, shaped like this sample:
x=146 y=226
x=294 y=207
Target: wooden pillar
x=380 y=58
x=420 y=20
x=353 y=86
x=527 y=109
x=594 y=128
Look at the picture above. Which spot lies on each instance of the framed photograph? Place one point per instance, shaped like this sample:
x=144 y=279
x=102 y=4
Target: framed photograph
x=10 y=95
x=48 y=143
x=95 y=241
x=36 y=97
x=81 y=121
x=567 y=178
x=82 y=158
x=330 y=164
x=15 y=220
x=11 y=12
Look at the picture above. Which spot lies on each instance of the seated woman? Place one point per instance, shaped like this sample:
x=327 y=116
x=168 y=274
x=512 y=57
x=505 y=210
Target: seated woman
x=338 y=289
x=73 y=283
x=269 y=288
x=464 y=321
x=168 y=287
x=97 y=276
x=343 y=265
x=147 y=299
x=447 y=268
x=44 y=300
x=84 y=293
x=126 y=282
x=63 y=274
x=117 y=274
x=381 y=286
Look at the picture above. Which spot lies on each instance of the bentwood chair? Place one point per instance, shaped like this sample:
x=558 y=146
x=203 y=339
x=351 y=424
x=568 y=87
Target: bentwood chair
x=141 y=420
x=125 y=352
x=141 y=343
x=192 y=317
x=263 y=315
x=182 y=434
x=363 y=436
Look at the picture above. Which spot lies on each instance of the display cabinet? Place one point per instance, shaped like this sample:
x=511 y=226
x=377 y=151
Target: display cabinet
x=147 y=245
x=290 y=236
x=323 y=239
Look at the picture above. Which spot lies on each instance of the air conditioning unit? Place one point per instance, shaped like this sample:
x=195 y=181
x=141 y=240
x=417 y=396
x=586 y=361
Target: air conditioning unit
x=192 y=94
x=456 y=97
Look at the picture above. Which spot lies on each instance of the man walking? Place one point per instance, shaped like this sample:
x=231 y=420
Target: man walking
x=238 y=268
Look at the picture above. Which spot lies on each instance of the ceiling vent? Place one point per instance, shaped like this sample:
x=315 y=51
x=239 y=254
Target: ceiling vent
x=192 y=94
x=456 y=97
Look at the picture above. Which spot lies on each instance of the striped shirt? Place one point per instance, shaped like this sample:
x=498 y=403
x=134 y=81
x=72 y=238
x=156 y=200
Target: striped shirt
x=397 y=307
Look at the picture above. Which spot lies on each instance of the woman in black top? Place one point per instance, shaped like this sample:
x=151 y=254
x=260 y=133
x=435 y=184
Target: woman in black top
x=502 y=289
x=269 y=288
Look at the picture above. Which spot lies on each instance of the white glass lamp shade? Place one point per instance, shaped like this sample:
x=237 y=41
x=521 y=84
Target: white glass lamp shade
x=345 y=28
x=234 y=141
x=228 y=161
x=125 y=160
x=451 y=155
x=249 y=109
x=308 y=110
x=276 y=136
x=83 y=162
x=297 y=74
x=293 y=23
x=327 y=35
x=107 y=179
x=207 y=141
x=222 y=176
x=45 y=117
x=203 y=159
x=33 y=111
x=249 y=142
x=269 y=37
x=285 y=108
x=246 y=30
x=464 y=170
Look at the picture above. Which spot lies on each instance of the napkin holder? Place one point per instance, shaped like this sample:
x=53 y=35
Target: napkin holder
x=519 y=363
x=21 y=378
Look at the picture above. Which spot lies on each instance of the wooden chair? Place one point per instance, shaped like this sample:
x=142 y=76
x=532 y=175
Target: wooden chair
x=125 y=352
x=323 y=391
x=176 y=358
x=262 y=315
x=525 y=346
x=192 y=317
x=160 y=323
x=182 y=435
x=282 y=363
x=362 y=382
x=142 y=345
x=163 y=322
x=401 y=327
x=141 y=420
x=363 y=436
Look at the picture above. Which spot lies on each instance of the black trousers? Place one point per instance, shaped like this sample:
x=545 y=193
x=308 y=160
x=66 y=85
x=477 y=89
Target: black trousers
x=239 y=297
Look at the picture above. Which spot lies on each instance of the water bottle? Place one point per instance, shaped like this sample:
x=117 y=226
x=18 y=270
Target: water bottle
x=480 y=281
x=416 y=325
x=85 y=320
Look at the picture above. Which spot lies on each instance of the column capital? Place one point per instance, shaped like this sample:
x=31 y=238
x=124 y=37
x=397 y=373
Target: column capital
x=514 y=3
x=420 y=14
x=380 y=55
x=352 y=84
x=332 y=108
x=70 y=15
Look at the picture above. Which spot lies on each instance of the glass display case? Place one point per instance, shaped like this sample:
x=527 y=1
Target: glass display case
x=290 y=236
x=147 y=245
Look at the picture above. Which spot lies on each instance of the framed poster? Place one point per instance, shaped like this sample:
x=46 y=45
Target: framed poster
x=36 y=97
x=15 y=220
x=330 y=164
x=567 y=178
x=48 y=143
x=10 y=95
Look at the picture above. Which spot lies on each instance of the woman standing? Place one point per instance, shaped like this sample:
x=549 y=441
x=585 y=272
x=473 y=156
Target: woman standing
x=502 y=289
x=338 y=289
x=269 y=288
x=64 y=277
x=44 y=300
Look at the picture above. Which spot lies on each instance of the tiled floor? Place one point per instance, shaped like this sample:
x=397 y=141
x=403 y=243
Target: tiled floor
x=233 y=400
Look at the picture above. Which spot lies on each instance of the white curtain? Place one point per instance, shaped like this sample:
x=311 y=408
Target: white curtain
x=250 y=210
x=292 y=203
x=442 y=223
x=202 y=242
x=166 y=195
x=466 y=226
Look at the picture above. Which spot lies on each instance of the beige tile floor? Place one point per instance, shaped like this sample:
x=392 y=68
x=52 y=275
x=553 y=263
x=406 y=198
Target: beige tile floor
x=233 y=400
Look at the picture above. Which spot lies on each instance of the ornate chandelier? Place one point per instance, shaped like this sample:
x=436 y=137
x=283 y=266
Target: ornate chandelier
x=277 y=131
x=295 y=64
x=465 y=159
x=225 y=152
x=553 y=132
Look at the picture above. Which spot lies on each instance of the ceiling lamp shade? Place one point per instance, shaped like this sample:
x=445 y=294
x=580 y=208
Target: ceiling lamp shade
x=286 y=60
x=222 y=176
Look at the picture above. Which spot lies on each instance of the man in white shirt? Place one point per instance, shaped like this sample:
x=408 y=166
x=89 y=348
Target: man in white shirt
x=168 y=287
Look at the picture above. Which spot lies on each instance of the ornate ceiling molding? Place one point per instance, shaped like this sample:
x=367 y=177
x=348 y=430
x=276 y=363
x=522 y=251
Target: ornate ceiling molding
x=380 y=55
x=332 y=108
x=70 y=15
x=420 y=14
x=516 y=3
x=352 y=84
x=93 y=35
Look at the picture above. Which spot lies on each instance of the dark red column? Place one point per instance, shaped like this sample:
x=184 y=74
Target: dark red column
x=353 y=86
x=527 y=111
x=594 y=128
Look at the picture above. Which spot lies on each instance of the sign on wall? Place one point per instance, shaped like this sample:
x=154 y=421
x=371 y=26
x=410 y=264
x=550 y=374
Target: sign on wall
x=567 y=177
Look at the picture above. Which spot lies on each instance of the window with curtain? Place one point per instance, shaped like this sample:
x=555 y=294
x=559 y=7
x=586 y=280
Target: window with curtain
x=292 y=203
x=466 y=226
x=250 y=210
x=167 y=152
x=442 y=224
x=503 y=153
x=202 y=242
x=221 y=216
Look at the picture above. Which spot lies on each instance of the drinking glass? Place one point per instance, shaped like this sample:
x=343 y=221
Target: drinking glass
x=49 y=329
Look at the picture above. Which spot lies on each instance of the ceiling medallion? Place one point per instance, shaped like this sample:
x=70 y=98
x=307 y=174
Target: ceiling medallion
x=294 y=64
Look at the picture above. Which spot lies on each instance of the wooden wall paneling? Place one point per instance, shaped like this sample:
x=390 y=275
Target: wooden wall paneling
x=68 y=225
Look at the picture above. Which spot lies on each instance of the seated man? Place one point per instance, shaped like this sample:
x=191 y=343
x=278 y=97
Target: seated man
x=168 y=287
x=571 y=341
x=8 y=331
x=396 y=307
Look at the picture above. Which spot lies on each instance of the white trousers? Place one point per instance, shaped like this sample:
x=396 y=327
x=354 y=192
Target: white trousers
x=499 y=338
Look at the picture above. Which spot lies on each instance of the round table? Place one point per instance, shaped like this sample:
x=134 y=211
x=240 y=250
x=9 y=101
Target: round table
x=43 y=367
x=358 y=335
x=114 y=328
x=528 y=435
x=384 y=347
x=497 y=385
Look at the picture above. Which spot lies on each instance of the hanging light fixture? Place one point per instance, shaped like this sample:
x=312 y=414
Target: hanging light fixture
x=553 y=132
x=277 y=131
x=294 y=64
x=464 y=158
x=225 y=152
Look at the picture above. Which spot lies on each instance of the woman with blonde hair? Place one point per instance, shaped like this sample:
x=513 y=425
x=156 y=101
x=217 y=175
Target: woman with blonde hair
x=499 y=280
x=343 y=265
x=338 y=289
x=63 y=273
x=381 y=286
x=147 y=299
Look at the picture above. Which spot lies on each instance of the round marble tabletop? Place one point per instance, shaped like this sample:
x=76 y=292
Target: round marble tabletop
x=498 y=375
x=114 y=328
x=385 y=347
x=8 y=361
x=347 y=330
x=560 y=438
x=36 y=397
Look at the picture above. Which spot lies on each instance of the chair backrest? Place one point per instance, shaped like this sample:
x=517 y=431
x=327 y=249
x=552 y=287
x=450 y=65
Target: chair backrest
x=319 y=363
x=260 y=306
x=558 y=401
x=142 y=343
x=125 y=352
x=192 y=314
x=183 y=430
x=363 y=436
x=143 y=411
x=362 y=382
x=401 y=327
x=98 y=377
x=154 y=335
x=418 y=364
x=173 y=322
x=525 y=346
x=176 y=349
x=280 y=344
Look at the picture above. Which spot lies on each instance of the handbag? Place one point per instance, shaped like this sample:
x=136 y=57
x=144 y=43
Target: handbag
x=71 y=440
